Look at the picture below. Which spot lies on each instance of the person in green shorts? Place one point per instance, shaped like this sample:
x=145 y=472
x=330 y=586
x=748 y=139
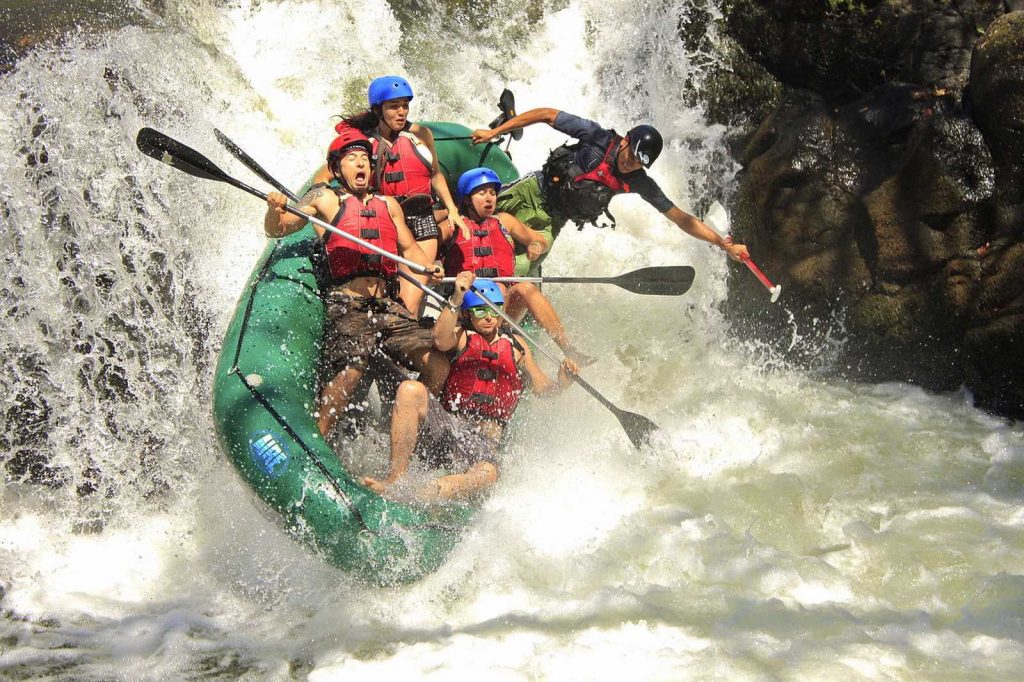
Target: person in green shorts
x=578 y=181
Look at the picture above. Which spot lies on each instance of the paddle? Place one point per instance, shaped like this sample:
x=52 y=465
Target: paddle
x=637 y=427
x=717 y=219
x=251 y=164
x=669 y=280
x=167 y=150
x=774 y=289
x=507 y=105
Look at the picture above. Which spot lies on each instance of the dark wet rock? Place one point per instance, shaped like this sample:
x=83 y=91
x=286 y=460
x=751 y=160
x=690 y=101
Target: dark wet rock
x=26 y=24
x=846 y=48
x=997 y=96
x=885 y=190
x=995 y=339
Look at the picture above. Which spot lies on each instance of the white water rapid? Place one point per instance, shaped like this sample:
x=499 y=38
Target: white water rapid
x=782 y=526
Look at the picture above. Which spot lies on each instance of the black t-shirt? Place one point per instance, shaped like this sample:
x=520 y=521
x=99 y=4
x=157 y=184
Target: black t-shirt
x=594 y=141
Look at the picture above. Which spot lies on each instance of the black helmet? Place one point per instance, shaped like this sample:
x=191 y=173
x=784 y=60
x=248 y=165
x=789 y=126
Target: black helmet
x=645 y=141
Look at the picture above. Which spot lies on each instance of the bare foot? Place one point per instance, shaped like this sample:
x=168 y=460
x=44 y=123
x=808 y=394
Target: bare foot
x=373 y=484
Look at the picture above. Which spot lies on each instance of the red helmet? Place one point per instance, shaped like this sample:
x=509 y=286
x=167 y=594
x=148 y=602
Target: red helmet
x=347 y=138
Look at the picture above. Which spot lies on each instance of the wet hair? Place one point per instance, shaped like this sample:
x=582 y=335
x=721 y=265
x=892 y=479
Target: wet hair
x=365 y=121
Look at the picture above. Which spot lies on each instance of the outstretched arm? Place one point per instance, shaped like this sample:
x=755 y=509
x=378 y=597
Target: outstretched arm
x=695 y=228
x=527 y=118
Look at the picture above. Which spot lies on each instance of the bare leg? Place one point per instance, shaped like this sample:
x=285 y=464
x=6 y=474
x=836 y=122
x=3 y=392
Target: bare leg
x=444 y=227
x=334 y=398
x=411 y=403
x=433 y=367
x=523 y=297
x=411 y=295
x=471 y=482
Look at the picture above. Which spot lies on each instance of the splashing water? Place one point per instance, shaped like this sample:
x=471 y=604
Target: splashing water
x=781 y=526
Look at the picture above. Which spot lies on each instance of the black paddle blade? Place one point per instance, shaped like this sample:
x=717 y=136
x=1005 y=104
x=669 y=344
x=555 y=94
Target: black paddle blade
x=669 y=280
x=167 y=150
x=507 y=104
x=251 y=164
x=638 y=427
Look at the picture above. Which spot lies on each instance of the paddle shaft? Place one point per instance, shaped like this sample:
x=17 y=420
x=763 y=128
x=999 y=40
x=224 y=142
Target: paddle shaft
x=662 y=280
x=251 y=164
x=774 y=289
x=620 y=279
x=757 y=272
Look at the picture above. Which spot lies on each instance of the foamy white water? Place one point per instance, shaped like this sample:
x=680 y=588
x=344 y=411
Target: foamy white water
x=782 y=526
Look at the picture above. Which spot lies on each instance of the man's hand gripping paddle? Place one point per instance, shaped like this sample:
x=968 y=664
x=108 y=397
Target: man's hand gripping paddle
x=717 y=220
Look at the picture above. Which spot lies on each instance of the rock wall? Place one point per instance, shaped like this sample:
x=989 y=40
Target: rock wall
x=885 y=188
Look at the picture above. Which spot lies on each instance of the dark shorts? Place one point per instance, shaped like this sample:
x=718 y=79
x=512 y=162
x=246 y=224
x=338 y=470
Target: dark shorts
x=419 y=216
x=354 y=327
x=447 y=440
x=423 y=227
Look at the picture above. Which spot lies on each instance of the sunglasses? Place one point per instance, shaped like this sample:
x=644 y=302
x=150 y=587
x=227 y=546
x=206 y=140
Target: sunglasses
x=480 y=312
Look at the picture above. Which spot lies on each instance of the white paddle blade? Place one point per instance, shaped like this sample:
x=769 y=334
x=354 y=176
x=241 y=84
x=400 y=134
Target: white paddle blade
x=717 y=219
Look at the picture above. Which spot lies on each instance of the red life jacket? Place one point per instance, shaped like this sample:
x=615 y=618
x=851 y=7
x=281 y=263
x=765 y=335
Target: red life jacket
x=488 y=252
x=370 y=222
x=402 y=170
x=484 y=380
x=603 y=172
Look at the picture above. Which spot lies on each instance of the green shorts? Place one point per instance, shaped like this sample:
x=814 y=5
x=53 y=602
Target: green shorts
x=525 y=200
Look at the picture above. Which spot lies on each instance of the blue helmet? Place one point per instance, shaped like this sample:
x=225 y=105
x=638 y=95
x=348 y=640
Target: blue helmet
x=388 y=87
x=488 y=288
x=474 y=178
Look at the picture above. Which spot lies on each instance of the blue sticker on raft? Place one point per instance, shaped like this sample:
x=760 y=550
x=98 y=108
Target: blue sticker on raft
x=269 y=453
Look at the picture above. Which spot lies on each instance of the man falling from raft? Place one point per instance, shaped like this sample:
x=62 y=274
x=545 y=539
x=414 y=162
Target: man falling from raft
x=578 y=181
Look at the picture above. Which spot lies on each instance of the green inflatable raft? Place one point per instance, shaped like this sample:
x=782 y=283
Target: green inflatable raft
x=264 y=395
